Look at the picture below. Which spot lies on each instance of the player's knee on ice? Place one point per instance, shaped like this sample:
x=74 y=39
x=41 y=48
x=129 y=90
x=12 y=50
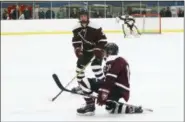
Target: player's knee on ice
x=114 y=107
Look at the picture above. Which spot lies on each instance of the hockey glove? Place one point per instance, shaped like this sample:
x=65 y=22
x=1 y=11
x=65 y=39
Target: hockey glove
x=98 y=53
x=78 y=52
x=104 y=91
x=102 y=96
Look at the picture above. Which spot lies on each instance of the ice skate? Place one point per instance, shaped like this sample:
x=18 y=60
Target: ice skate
x=87 y=110
x=133 y=109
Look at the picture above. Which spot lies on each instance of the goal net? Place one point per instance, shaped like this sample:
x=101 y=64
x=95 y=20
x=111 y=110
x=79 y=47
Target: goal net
x=148 y=23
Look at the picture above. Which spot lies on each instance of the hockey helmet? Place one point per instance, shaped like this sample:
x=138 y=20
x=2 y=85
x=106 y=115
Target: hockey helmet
x=111 y=49
x=83 y=20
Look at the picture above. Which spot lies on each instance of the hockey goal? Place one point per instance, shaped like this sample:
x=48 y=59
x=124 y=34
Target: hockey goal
x=148 y=23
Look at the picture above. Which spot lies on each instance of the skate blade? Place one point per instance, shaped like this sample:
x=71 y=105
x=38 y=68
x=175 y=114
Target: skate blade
x=86 y=114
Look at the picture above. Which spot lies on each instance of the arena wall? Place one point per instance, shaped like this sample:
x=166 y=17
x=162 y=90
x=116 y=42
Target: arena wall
x=64 y=26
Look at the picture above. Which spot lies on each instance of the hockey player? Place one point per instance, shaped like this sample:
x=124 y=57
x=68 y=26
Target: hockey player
x=115 y=86
x=88 y=42
x=128 y=22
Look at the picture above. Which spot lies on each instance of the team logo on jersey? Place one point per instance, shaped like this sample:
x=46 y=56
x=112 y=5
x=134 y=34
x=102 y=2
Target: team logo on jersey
x=106 y=68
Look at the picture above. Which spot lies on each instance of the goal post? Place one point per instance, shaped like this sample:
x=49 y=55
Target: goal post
x=148 y=23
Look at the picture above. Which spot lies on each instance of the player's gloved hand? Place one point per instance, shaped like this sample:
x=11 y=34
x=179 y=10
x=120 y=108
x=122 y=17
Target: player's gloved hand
x=98 y=53
x=102 y=96
x=78 y=52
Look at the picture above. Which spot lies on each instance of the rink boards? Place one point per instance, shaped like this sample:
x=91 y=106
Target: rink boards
x=64 y=26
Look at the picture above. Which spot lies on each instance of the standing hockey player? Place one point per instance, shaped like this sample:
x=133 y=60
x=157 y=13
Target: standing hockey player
x=115 y=86
x=88 y=42
x=128 y=22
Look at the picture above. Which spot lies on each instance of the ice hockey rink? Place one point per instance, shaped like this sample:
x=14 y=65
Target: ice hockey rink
x=27 y=87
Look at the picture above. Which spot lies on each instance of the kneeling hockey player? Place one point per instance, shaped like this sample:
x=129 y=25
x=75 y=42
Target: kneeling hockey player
x=115 y=86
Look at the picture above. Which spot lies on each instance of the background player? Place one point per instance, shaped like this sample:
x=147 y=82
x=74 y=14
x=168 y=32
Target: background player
x=128 y=22
x=115 y=86
x=88 y=42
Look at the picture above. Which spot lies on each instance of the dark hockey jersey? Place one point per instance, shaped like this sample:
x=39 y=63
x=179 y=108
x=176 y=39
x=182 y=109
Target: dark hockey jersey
x=117 y=73
x=129 y=20
x=88 y=38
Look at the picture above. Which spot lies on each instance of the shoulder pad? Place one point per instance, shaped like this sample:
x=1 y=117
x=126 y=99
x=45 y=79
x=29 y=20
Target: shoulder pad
x=78 y=25
x=131 y=17
x=93 y=25
x=123 y=16
x=112 y=58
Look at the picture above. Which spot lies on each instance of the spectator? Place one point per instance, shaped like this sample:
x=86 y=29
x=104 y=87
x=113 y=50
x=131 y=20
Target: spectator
x=180 y=13
x=74 y=14
x=36 y=12
x=50 y=14
x=109 y=15
x=97 y=14
x=162 y=12
x=5 y=14
x=15 y=13
x=27 y=13
x=61 y=13
x=168 y=13
x=129 y=10
x=22 y=16
x=41 y=14
x=144 y=11
x=7 y=17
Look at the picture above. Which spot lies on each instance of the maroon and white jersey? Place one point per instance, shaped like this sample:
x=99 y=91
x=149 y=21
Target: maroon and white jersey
x=117 y=73
x=89 y=38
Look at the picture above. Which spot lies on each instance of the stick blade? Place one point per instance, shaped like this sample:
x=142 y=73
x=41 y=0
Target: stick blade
x=148 y=109
x=57 y=81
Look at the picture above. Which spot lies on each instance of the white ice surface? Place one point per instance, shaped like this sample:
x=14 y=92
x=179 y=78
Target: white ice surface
x=156 y=63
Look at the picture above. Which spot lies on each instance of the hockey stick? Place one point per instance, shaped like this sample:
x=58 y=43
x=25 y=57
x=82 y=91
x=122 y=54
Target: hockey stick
x=85 y=41
x=54 y=98
x=56 y=79
x=123 y=30
x=137 y=30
